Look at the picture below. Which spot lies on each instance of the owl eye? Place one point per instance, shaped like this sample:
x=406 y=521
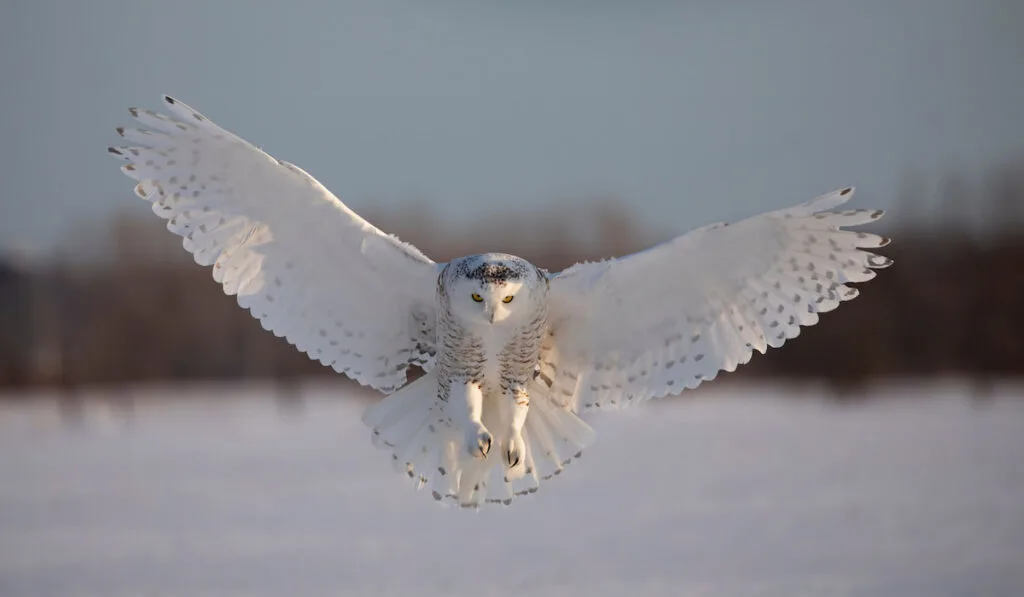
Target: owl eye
x=507 y=299
x=477 y=298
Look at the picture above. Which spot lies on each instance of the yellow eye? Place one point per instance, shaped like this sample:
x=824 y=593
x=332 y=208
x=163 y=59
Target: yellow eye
x=507 y=299
x=477 y=297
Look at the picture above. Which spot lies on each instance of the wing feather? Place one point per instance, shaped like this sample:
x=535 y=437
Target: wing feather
x=673 y=316
x=308 y=267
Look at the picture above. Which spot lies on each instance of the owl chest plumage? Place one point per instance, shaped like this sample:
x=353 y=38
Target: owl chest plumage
x=498 y=358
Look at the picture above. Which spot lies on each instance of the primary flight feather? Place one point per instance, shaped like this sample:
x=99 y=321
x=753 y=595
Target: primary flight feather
x=512 y=354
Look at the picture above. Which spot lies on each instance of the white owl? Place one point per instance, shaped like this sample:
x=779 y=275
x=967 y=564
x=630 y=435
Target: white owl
x=512 y=353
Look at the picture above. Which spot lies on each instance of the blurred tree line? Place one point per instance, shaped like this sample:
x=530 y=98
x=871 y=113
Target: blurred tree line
x=951 y=305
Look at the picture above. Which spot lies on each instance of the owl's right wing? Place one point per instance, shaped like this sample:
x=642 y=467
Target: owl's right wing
x=308 y=267
x=666 y=319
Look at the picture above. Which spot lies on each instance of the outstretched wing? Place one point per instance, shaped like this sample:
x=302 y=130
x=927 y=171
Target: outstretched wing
x=308 y=267
x=666 y=319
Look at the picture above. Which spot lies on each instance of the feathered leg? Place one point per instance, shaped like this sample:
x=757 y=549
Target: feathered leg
x=466 y=399
x=517 y=400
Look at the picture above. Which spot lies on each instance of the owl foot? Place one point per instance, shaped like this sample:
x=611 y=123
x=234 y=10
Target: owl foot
x=515 y=458
x=478 y=441
x=514 y=452
x=512 y=457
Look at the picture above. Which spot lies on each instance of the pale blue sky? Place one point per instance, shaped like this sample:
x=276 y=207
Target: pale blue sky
x=691 y=111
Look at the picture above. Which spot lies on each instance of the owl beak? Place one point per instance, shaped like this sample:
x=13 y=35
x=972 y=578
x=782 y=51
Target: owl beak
x=490 y=315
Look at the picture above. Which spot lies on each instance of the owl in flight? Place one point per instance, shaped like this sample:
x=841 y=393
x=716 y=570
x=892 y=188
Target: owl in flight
x=513 y=354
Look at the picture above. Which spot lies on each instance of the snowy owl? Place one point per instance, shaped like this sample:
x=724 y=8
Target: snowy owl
x=513 y=354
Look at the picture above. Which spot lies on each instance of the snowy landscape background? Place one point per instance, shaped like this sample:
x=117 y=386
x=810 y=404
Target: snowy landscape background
x=741 y=490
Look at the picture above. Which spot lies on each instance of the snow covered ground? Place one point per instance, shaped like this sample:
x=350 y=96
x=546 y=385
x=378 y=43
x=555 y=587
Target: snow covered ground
x=738 y=491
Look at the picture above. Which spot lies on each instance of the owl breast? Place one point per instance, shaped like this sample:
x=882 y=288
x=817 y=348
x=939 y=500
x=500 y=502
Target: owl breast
x=497 y=358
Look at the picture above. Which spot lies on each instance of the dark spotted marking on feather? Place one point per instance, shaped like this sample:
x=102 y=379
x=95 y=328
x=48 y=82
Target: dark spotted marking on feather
x=494 y=268
x=493 y=273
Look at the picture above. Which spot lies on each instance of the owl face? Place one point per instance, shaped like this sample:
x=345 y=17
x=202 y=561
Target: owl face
x=489 y=303
x=491 y=292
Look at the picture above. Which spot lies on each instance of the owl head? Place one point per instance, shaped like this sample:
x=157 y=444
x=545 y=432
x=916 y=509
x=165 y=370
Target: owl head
x=492 y=289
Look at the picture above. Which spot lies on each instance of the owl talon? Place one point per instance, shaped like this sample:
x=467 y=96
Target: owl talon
x=514 y=451
x=480 y=443
x=515 y=458
x=512 y=457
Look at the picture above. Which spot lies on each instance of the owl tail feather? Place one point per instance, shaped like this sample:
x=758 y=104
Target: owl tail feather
x=412 y=424
x=426 y=445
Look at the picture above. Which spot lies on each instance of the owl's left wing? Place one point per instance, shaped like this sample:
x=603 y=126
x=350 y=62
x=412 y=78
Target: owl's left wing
x=308 y=267
x=665 y=319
